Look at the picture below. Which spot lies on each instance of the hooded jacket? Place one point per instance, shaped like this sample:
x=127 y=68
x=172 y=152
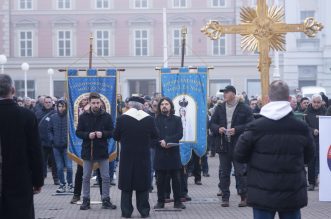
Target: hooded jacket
x=276 y=148
x=58 y=128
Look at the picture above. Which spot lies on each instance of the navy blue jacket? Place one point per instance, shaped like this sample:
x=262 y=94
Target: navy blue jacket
x=58 y=129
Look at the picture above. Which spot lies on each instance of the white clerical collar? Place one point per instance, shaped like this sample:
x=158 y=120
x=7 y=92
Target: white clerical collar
x=136 y=114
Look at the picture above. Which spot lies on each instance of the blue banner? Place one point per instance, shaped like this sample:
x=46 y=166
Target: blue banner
x=79 y=89
x=189 y=94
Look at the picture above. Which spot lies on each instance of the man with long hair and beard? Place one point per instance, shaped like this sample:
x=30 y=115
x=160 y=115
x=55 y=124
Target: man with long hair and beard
x=167 y=159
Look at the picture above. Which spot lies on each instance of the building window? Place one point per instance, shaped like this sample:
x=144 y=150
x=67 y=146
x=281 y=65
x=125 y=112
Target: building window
x=253 y=88
x=179 y=4
x=25 y=4
x=218 y=3
x=103 y=42
x=25 y=43
x=176 y=34
x=64 y=43
x=141 y=42
x=140 y=4
x=102 y=4
x=307 y=75
x=142 y=87
x=59 y=88
x=64 y=4
x=219 y=46
x=216 y=85
x=20 y=90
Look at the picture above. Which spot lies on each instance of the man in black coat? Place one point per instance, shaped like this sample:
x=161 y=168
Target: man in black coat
x=228 y=123
x=167 y=159
x=276 y=147
x=95 y=127
x=22 y=163
x=135 y=130
x=314 y=110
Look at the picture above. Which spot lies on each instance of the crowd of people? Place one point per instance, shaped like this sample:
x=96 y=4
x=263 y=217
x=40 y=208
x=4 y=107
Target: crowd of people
x=148 y=133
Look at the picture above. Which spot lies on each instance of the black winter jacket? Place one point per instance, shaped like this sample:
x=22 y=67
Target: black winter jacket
x=58 y=129
x=276 y=153
x=171 y=130
x=312 y=118
x=91 y=122
x=241 y=116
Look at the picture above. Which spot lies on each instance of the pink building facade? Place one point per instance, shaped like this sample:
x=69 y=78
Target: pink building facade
x=127 y=34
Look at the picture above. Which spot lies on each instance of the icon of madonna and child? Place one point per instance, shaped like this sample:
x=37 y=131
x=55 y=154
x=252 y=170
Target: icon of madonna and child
x=186 y=109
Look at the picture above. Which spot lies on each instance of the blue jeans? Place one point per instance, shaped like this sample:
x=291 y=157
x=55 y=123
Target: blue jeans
x=62 y=160
x=264 y=214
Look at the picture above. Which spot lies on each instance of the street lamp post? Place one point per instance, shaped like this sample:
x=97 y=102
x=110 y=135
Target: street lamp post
x=25 y=68
x=50 y=72
x=3 y=61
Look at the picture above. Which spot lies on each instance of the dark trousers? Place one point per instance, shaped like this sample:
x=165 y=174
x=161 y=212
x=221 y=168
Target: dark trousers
x=204 y=163
x=141 y=202
x=194 y=167
x=183 y=184
x=226 y=161
x=49 y=155
x=313 y=166
x=211 y=145
x=161 y=183
x=264 y=214
x=79 y=181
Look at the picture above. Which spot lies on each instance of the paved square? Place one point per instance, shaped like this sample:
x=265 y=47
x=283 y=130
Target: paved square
x=205 y=204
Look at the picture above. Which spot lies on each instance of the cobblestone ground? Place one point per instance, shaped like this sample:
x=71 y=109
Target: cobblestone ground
x=205 y=204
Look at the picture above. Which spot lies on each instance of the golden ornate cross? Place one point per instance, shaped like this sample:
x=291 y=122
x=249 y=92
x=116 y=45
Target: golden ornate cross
x=262 y=29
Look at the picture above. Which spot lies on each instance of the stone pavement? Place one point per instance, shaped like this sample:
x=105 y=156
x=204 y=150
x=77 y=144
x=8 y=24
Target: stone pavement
x=205 y=204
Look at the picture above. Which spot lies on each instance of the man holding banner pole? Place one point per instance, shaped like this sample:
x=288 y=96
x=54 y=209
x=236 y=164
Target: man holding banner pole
x=95 y=127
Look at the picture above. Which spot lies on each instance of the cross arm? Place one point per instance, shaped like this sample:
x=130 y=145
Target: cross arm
x=215 y=30
x=310 y=27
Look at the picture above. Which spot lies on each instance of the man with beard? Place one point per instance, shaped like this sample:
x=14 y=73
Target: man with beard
x=313 y=111
x=135 y=130
x=167 y=159
x=22 y=163
x=95 y=127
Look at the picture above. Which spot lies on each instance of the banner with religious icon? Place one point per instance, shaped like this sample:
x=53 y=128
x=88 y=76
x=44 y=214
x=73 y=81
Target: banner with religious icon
x=325 y=158
x=187 y=87
x=80 y=85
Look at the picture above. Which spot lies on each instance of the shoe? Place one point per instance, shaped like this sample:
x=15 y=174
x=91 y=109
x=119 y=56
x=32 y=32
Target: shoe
x=225 y=203
x=126 y=216
x=179 y=205
x=206 y=175
x=70 y=188
x=86 y=204
x=243 y=202
x=75 y=199
x=199 y=183
x=106 y=204
x=311 y=187
x=112 y=182
x=168 y=200
x=159 y=205
x=61 y=189
x=220 y=193
x=188 y=198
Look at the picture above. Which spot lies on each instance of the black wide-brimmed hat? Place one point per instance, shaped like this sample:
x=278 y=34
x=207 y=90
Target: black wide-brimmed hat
x=137 y=99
